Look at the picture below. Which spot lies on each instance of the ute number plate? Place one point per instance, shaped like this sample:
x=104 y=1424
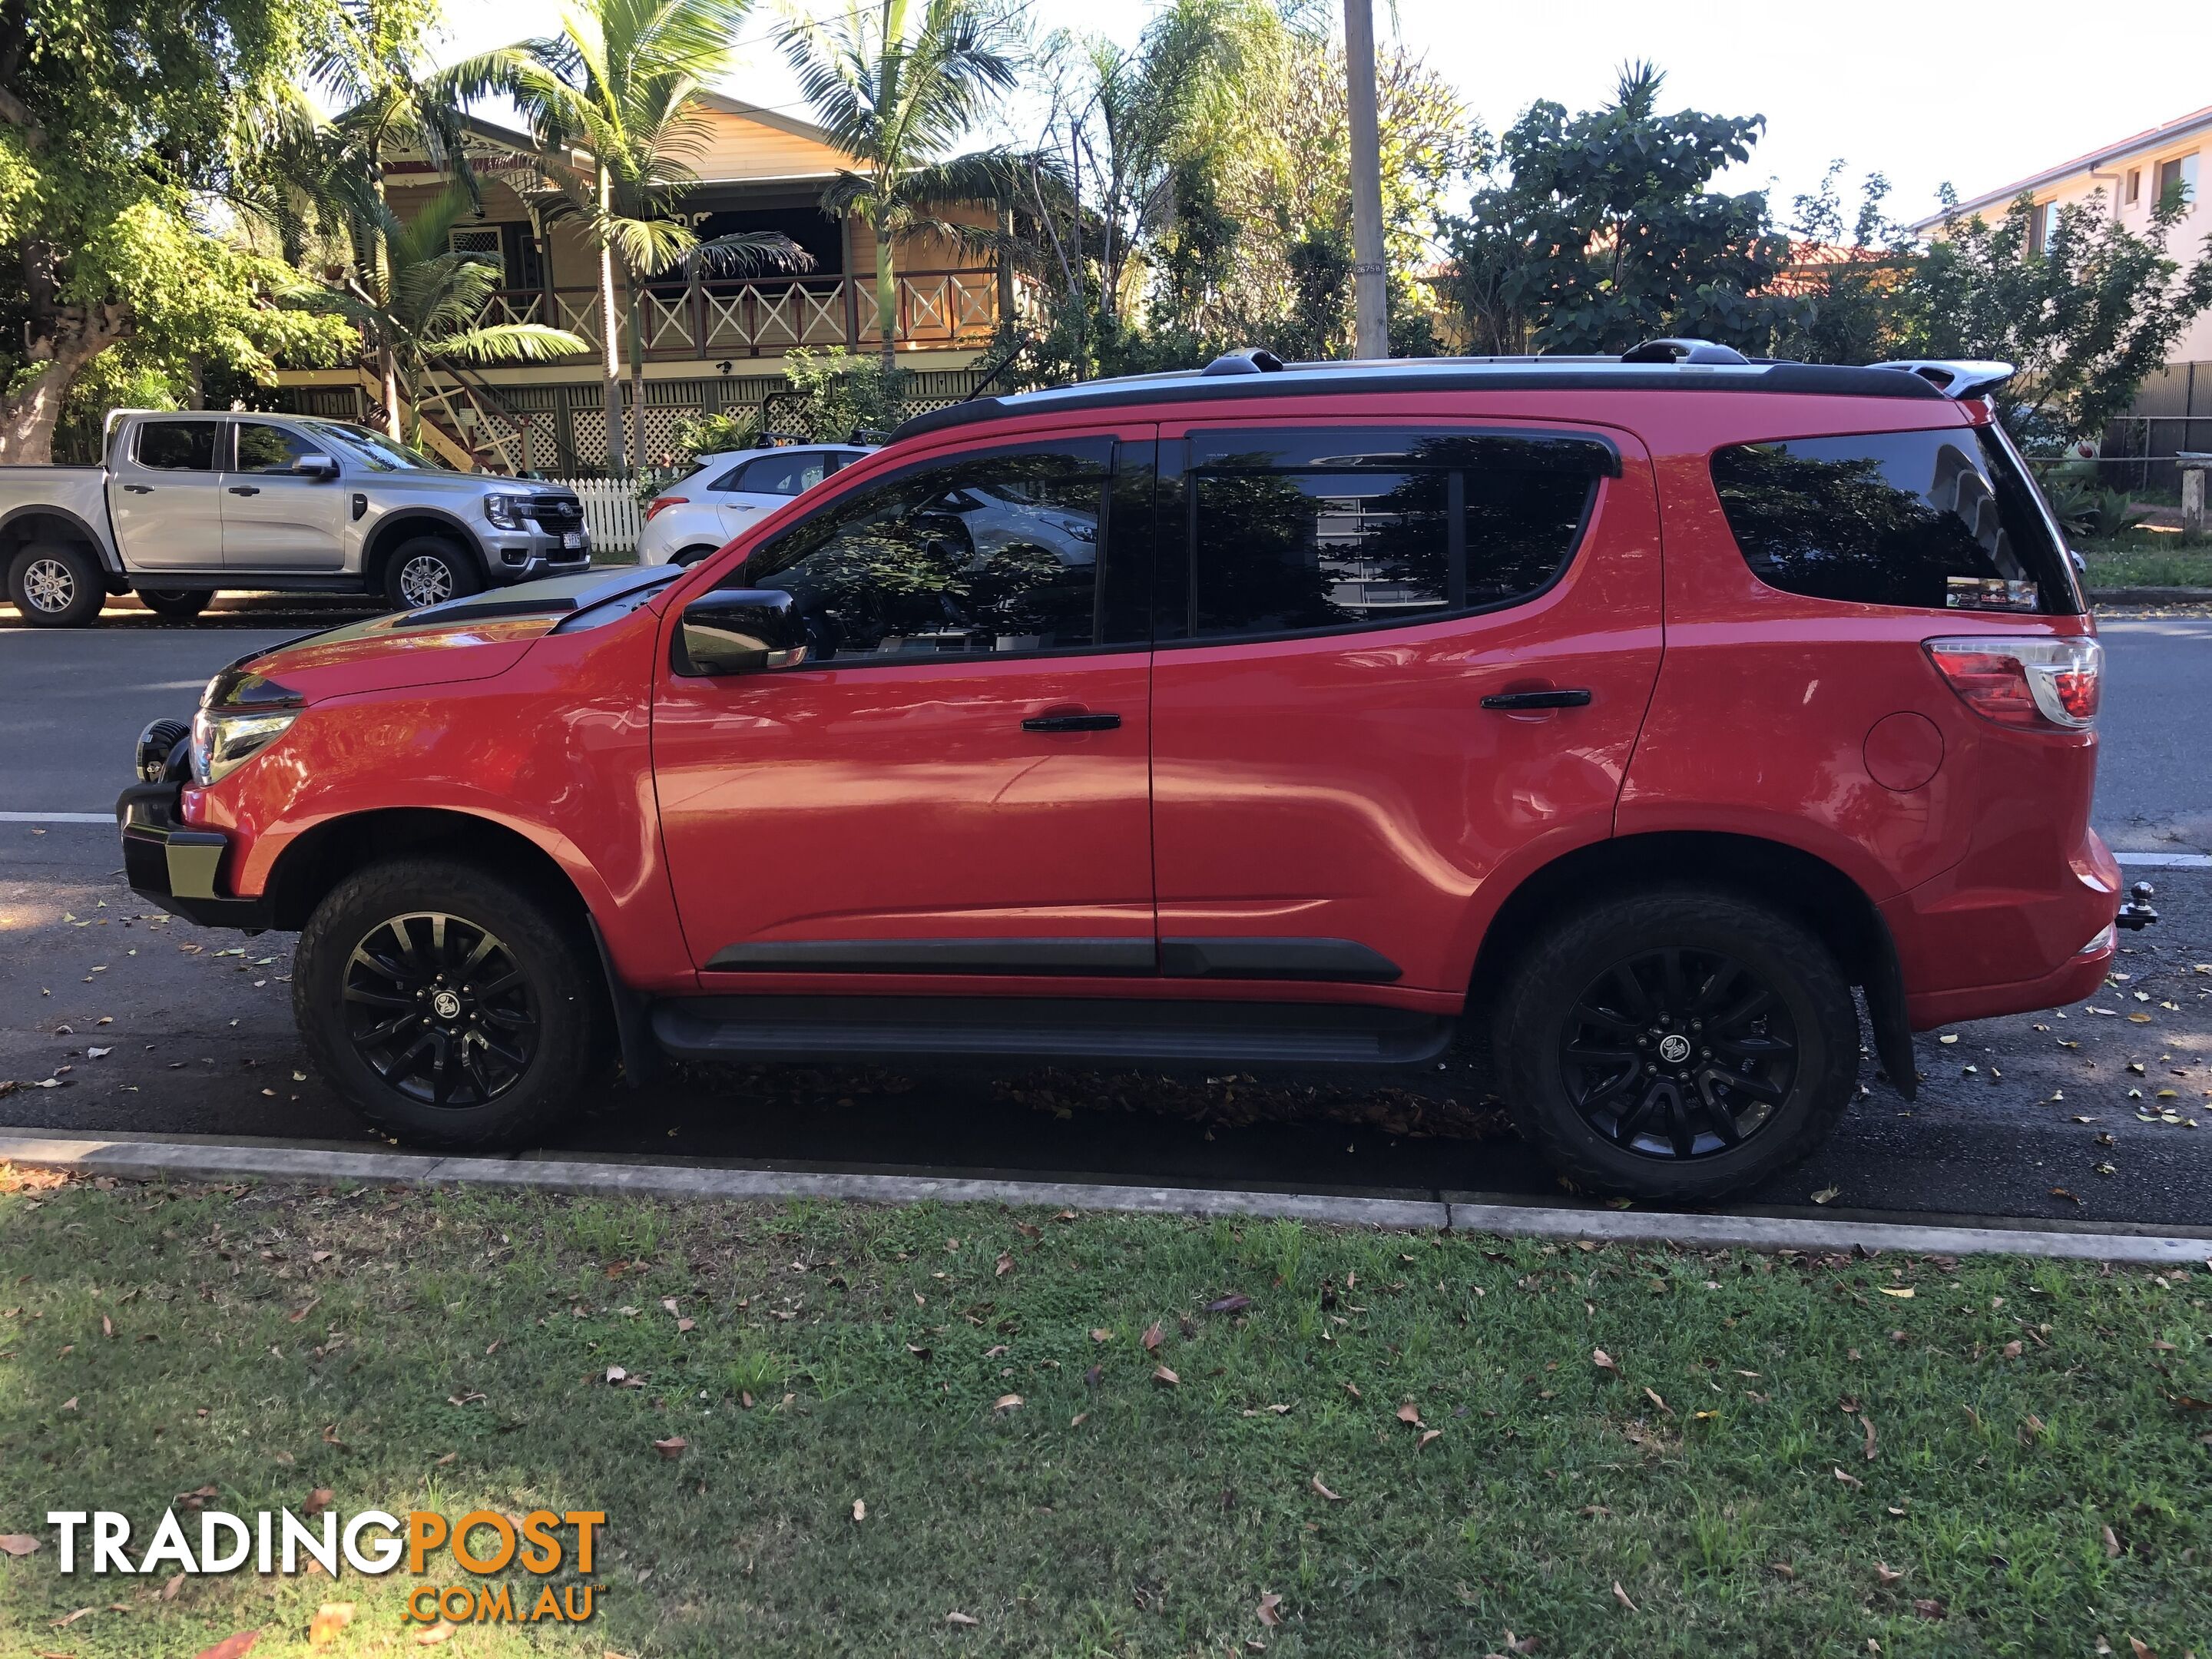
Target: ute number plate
x=571 y=539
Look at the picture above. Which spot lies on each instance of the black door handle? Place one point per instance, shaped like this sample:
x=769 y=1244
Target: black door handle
x=245 y=489
x=1574 y=697
x=140 y=490
x=1073 y=723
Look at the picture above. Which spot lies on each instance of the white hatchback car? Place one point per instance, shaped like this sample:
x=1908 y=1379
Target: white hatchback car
x=698 y=513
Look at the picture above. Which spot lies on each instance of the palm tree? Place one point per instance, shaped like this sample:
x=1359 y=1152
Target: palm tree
x=895 y=90
x=612 y=102
x=418 y=304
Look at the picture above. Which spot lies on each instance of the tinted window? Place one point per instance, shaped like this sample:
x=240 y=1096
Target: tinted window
x=781 y=475
x=1299 y=532
x=1935 y=520
x=991 y=553
x=178 y=446
x=268 y=448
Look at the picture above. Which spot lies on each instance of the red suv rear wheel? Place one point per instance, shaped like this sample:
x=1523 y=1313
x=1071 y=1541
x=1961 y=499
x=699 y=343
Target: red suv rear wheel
x=1678 y=1044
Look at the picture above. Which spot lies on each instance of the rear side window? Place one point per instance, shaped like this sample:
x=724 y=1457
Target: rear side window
x=783 y=475
x=178 y=446
x=1932 y=521
x=1308 y=531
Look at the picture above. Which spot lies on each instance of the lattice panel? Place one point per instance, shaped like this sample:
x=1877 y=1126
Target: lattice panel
x=587 y=434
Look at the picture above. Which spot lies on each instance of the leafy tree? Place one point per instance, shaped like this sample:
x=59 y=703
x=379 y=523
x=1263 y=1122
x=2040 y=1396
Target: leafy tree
x=1603 y=232
x=2085 y=317
x=897 y=86
x=117 y=121
x=1849 y=275
x=619 y=87
x=419 y=302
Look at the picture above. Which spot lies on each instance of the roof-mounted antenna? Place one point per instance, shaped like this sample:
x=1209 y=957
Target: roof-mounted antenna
x=1682 y=352
x=1253 y=360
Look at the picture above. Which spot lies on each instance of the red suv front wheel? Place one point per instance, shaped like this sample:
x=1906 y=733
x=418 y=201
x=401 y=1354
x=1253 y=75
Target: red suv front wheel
x=1678 y=1045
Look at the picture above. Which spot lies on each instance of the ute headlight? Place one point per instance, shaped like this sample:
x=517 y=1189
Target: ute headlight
x=506 y=511
x=222 y=743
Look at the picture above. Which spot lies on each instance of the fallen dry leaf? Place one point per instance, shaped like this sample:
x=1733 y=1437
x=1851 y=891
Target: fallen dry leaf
x=860 y=1509
x=2112 y=1543
x=231 y=1647
x=1783 y=1569
x=1621 y=1597
x=440 y=1631
x=1232 y=1304
x=2010 y=1351
x=672 y=1448
x=1004 y=1264
x=1867 y=1423
x=1269 y=1603
x=1007 y=1403
x=2140 y=1648
x=1827 y=1194
x=317 y=1500
x=1886 y=1574
x=1604 y=1361
x=956 y=1617
x=1427 y=1435
x=330 y=1618
x=1102 y=1335
x=1409 y=1412
x=18 y=1543
x=1904 y=1293
x=1652 y=1394
x=1165 y=1377
x=1928 y=1606
x=1848 y=1480
x=1151 y=1337
x=1333 y=1498
x=68 y=1619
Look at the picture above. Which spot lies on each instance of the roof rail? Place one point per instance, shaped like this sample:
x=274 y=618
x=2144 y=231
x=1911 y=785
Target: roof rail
x=1955 y=378
x=1253 y=360
x=1682 y=352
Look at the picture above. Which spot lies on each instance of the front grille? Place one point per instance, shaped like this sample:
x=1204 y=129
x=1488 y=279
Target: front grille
x=555 y=514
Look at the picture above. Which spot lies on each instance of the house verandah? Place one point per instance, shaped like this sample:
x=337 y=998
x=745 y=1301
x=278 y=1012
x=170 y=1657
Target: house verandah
x=712 y=339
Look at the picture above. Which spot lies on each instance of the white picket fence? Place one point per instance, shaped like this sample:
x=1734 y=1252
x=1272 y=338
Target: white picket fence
x=611 y=513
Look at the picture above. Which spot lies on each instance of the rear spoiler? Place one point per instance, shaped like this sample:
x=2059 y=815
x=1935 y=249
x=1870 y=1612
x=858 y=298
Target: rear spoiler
x=1955 y=378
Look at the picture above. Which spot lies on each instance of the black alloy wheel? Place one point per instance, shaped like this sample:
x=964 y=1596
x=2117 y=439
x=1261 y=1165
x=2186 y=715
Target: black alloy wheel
x=1678 y=1054
x=441 y=1009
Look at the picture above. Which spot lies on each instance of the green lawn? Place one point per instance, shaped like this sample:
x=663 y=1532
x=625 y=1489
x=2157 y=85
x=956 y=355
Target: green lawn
x=2146 y=560
x=1405 y=1437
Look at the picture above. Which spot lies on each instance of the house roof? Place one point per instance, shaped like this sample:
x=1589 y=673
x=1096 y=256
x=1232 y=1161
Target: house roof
x=511 y=138
x=2155 y=137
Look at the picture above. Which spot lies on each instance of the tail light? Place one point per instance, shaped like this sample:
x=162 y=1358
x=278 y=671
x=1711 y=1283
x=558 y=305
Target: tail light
x=661 y=503
x=2034 y=683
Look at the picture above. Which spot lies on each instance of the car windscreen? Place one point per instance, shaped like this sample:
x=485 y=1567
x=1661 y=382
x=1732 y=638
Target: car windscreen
x=379 y=452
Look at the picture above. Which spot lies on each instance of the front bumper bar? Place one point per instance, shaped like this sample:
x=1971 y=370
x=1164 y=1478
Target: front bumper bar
x=178 y=867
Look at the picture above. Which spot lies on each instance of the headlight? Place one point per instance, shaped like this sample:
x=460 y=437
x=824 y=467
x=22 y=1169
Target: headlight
x=222 y=743
x=505 y=510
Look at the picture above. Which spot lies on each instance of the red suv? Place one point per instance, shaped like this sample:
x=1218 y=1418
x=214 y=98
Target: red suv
x=1626 y=713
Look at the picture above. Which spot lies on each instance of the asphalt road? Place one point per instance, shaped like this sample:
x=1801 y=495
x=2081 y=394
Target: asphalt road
x=199 y=1041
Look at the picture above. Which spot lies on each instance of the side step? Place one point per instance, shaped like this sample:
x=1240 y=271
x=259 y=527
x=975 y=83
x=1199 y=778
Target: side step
x=1098 y=1031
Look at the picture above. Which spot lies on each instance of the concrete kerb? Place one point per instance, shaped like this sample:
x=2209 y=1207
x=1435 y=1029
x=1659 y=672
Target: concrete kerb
x=215 y=1161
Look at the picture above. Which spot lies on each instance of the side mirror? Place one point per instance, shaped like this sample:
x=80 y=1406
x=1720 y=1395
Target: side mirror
x=742 y=631
x=317 y=465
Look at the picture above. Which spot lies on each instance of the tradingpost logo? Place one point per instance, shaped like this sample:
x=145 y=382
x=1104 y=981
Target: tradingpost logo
x=373 y=1542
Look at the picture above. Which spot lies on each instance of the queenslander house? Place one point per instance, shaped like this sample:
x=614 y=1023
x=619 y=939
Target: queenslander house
x=712 y=340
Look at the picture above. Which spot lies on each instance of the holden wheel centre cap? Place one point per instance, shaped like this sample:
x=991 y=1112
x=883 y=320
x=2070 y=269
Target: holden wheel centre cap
x=1673 y=1048
x=446 y=1006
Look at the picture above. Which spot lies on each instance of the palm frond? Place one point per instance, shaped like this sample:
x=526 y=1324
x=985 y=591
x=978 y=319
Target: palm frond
x=510 y=343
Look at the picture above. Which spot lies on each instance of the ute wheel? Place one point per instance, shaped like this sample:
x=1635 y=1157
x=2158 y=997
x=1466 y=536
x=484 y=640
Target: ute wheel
x=184 y=602
x=449 y=1007
x=55 y=584
x=691 y=555
x=425 y=570
x=1676 y=1045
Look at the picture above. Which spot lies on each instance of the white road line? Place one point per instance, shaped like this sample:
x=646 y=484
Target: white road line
x=560 y=1172
x=2166 y=861
x=108 y=818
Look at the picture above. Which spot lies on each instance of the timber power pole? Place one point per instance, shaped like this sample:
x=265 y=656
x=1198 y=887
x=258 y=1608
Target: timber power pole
x=1369 y=274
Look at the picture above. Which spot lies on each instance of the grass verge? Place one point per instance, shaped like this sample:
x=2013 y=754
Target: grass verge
x=2146 y=561
x=1101 y=1434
